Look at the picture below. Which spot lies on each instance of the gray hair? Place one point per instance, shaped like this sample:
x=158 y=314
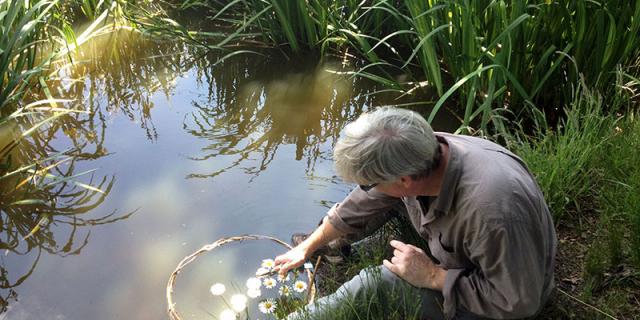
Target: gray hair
x=383 y=145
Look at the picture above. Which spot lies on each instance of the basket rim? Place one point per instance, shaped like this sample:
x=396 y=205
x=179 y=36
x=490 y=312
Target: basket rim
x=173 y=313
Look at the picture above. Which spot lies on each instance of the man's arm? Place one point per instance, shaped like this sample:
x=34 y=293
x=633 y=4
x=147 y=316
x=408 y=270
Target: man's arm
x=414 y=266
x=360 y=213
x=298 y=255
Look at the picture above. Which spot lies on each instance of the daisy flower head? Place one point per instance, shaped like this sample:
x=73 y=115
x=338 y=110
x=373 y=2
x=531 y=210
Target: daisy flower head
x=238 y=302
x=269 y=283
x=284 y=278
x=267 y=306
x=268 y=263
x=254 y=293
x=227 y=314
x=300 y=286
x=253 y=283
x=284 y=291
x=217 y=289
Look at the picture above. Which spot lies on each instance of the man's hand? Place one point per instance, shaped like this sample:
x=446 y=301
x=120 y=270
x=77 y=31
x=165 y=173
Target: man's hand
x=291 y=260
x=412 y=264
x=298 y=255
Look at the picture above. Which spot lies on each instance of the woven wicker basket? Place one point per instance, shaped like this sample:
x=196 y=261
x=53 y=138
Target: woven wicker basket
x=173 y=313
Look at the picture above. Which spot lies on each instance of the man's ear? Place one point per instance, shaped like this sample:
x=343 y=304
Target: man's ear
x=406 y=181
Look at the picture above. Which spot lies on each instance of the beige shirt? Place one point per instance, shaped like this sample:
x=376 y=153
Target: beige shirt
x=489 y=227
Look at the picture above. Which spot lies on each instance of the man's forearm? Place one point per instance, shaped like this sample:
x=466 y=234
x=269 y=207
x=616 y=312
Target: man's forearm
x=324 y=234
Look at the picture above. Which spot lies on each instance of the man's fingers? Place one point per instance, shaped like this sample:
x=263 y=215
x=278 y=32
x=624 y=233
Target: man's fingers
x=415 y=248
x=283 y=269
x=389 y=265
x=398 y=245
x=280 y=260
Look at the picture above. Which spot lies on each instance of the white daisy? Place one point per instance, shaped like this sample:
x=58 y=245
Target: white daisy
x=268 y=263
x=253 y=283
x=267 y=306
x=238 y=302
x=227 y=314
x=217 y=289
x=269 y=283
x=300 y=286
x=284 y=291
x=254 y=293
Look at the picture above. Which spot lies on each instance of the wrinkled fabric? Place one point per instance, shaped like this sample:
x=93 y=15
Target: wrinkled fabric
x=489 y=227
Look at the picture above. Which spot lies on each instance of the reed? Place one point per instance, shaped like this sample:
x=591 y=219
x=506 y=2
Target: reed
x=23 y=28
x=504 y=59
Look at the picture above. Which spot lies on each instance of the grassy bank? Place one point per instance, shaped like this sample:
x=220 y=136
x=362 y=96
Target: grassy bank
x=589 y=172
x=588 y=168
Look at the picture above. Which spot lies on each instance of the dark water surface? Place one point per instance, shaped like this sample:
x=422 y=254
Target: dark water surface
x=185 y=152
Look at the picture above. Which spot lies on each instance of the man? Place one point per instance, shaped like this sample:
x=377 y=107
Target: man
x=480 y=210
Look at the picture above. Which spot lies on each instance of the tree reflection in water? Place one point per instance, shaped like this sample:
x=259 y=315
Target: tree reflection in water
x=250 y=112
x=44 y=206
x=50 y=205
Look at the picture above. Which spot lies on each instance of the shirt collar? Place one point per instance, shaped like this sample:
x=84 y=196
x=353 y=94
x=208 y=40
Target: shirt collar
x=441 y=204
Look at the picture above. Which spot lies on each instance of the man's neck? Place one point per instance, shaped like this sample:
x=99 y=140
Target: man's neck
x=433 y=183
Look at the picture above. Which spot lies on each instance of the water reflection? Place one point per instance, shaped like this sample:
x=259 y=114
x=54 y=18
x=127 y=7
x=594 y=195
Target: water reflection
x=44 y=207
x=119 y=74
x=50 y=205
x=250 y=112
x=250 y=124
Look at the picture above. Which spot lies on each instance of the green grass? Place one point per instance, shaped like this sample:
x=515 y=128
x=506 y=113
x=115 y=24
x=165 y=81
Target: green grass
x=588 y=169
x=564 y=159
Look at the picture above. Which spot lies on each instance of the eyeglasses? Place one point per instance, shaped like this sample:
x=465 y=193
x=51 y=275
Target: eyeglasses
x=368 y=187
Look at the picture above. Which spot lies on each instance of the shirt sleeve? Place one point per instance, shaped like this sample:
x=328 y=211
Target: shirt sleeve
x=362 y=212
x=507 y=283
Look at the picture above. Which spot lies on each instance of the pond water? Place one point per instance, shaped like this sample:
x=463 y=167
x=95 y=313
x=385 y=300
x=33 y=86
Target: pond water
x=184 y=151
